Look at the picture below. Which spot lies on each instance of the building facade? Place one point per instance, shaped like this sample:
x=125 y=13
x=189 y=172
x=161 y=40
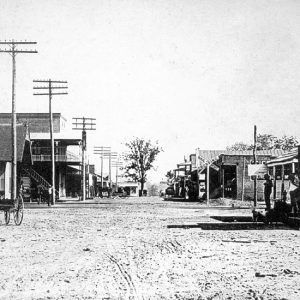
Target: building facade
x=67 y=154
x=24 y=159
x=227 y=173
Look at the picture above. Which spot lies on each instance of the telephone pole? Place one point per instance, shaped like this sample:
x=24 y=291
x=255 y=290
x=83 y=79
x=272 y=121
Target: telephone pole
x=50 y=88
x=84 y=124
x=102 y=152
x=13 y=51
x=254 y=160
x=112 y=157
x=117 y=164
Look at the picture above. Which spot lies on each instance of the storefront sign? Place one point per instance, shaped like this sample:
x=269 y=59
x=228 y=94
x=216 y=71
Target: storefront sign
x=258 y=170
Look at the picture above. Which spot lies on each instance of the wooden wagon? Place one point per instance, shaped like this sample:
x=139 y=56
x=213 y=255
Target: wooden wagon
x=15 y=207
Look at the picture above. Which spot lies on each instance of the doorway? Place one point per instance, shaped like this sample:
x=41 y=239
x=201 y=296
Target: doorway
x=230 y=185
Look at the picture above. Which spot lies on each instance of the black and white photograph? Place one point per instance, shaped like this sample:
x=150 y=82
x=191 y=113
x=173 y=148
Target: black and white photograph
x=149 y=149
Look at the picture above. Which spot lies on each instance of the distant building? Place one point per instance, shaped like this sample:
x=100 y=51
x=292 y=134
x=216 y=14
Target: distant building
x=131 y=188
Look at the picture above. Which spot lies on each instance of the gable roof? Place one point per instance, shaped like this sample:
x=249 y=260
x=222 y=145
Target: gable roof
x=6 y=142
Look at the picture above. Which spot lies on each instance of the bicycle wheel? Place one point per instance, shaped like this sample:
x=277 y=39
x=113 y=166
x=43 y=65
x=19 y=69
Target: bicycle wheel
x=18 y=212
x=7 y=216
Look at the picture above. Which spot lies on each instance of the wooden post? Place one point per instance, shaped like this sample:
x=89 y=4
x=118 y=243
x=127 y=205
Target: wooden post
x=298 y=171
x=207 y=184
x=243 y=178
x=293 y=168
x=254 y=158
x=83 y=164
x=110 y=185
x=52 y=145
x=14 y=131
x=274 y=174
x=101 y=171
x=282 y=180
x=223 y=181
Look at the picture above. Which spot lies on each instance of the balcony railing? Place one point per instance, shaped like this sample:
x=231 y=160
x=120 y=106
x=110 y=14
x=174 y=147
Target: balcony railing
x=61 y=154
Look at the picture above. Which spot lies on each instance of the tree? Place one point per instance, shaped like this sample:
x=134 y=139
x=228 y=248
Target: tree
x=287 y=142
x=139 y=159
x=267 y=142
x=240 y=146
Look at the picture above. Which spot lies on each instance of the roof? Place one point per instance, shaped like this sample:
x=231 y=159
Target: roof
x=210 y=156
x=32 y=115
x=6 y=142
x=286 y=158
x=271 y=152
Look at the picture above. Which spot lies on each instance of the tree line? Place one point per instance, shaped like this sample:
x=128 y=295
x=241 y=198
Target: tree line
x=267 y=142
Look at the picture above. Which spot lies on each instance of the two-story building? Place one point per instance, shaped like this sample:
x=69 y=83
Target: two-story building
x=67 y=153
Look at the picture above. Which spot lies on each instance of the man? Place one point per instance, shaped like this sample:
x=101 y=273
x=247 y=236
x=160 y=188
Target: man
x=267 y=191
x=39 y=192
x=294 y=192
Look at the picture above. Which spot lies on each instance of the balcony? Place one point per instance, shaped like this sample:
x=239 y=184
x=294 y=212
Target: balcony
x=43 y=154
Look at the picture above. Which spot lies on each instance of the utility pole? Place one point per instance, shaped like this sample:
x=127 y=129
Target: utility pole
x=254 y=160
x=105 y=152
x=50 y=88
x=112 y=155
x=84 y=124
x=117 y=164
x=102 y=151
x=13 y=51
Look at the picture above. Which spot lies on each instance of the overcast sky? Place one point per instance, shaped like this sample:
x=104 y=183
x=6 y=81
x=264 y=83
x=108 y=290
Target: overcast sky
x=186 y=73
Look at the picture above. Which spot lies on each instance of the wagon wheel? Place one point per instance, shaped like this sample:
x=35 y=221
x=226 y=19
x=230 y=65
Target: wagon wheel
x=7 y=216
x=18 y=211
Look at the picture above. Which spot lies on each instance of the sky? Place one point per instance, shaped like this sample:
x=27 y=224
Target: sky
x=186 y=73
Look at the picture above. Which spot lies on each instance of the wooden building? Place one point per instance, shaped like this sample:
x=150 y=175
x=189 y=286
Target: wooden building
x=280 y=168
x=67 y=152
x=227 y=172
x=24 y=158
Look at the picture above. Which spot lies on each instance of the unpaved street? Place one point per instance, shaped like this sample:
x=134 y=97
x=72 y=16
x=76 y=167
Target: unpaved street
x=122 y=249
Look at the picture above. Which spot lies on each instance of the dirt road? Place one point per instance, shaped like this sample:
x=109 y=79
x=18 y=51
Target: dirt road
x=122 y=249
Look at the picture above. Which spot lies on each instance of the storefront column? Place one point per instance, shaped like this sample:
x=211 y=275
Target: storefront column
x=207 y=184
x=274 y=189
x=282 y=180
x=7 y=180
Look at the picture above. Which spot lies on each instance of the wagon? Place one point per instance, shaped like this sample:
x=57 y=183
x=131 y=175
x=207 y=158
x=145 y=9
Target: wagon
x=15 y=207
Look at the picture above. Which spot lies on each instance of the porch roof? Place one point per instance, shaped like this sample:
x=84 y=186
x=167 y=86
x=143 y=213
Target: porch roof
x=286 y=158
x=206 y=157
